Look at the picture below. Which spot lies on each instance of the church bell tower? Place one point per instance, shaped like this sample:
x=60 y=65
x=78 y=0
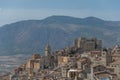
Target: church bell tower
x=47 y=50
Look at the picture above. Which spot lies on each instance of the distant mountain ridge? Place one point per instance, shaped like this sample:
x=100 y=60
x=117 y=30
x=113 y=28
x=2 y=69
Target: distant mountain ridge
x=31 y=36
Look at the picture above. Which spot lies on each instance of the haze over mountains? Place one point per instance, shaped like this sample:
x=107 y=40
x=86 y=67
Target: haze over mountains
x=31 y=36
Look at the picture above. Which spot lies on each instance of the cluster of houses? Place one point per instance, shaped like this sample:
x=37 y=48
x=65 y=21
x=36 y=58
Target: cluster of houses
x=86 y=60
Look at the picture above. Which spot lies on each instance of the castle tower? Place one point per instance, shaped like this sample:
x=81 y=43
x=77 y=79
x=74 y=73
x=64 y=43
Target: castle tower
x=47 y=50
x=106 y=55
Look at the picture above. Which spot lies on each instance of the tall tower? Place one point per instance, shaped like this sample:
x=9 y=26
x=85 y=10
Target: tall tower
x=47 y=50
x=106 y=55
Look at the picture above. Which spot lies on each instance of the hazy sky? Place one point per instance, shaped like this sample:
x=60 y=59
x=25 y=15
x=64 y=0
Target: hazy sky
x=16 y=10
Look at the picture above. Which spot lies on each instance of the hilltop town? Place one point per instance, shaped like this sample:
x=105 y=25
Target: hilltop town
x=85 y=60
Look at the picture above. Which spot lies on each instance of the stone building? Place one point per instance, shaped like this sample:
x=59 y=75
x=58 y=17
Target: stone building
x=100 y=72
x=101 y=57
x=88 y=44
x=62 y=60
x=75 y=74
x=106 y=57
x=34 y=63
x=116 y=49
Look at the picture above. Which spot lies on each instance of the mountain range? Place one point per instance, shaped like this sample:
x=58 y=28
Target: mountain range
x=31 y=36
